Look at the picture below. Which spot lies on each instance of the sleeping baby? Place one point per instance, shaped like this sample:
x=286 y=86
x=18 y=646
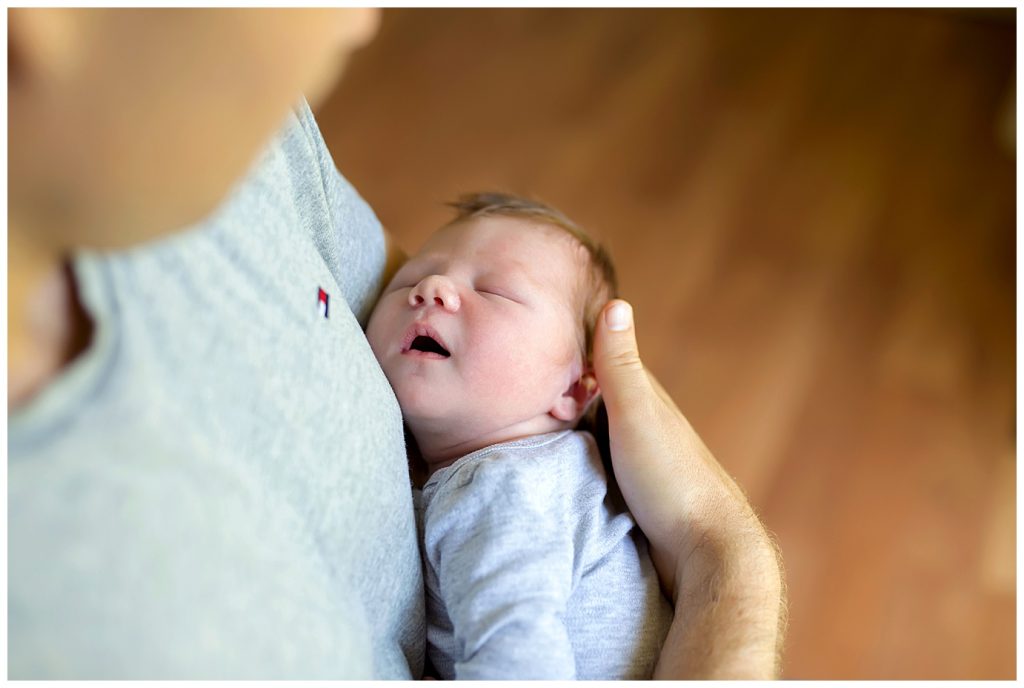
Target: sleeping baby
x=534 y=569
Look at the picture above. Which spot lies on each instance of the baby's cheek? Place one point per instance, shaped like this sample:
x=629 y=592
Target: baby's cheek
x=508 y=374
x=373 y=336
x=379 y=328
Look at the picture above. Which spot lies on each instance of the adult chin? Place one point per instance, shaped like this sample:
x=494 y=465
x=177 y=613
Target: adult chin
x=125 y=125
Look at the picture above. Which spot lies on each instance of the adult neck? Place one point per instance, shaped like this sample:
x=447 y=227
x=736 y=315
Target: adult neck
x=443 y=443
x=47 y=328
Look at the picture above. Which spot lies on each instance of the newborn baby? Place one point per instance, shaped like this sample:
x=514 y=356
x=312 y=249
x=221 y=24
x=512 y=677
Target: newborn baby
x=532 y=569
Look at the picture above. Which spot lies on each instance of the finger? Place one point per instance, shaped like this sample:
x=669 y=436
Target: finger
x=620 y=373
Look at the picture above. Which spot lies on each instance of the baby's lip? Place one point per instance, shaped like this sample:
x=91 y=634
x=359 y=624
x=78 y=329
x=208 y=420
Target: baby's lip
x=422 y=329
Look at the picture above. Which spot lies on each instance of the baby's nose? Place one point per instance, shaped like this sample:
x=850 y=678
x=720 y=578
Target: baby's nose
x=435 y=290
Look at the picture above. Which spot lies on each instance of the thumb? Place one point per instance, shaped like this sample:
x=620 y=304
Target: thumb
x=620 y=374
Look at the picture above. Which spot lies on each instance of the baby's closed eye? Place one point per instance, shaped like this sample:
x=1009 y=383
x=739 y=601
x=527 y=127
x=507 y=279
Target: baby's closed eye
x=499 y=292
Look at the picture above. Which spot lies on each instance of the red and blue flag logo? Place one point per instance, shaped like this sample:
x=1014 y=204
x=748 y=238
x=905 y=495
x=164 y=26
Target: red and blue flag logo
x=323 y=299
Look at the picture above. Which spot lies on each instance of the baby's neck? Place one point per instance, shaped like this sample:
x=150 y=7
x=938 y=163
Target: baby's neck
x=442 y=443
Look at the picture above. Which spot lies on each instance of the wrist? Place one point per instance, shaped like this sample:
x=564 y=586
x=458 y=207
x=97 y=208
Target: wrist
x=729 y=584
x=721 y=561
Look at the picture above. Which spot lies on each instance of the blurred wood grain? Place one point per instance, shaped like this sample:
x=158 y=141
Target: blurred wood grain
x=814 y=218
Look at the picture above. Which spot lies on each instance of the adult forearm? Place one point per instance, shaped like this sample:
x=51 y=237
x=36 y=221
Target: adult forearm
x=715 y=558
x=730 y=611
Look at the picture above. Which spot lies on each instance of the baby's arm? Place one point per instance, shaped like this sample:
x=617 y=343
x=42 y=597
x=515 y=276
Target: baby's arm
x=501 y=545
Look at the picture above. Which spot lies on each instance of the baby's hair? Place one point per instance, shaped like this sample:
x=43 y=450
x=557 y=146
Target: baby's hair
x=600 y=283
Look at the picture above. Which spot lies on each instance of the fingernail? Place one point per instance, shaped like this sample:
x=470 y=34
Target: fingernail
x=619 y=317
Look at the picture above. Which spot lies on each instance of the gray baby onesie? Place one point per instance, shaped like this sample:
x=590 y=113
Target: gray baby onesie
x=535 y=570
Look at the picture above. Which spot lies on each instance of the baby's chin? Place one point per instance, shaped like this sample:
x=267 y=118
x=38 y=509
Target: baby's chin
x=431 y=414
x=409 y=390
x=421 y=403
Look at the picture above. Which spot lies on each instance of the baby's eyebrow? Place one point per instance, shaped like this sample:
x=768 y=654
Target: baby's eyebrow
x=517 y=274
x=523 y=275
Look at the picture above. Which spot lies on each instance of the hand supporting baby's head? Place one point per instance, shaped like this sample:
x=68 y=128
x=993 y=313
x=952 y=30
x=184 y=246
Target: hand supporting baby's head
x=486 y=333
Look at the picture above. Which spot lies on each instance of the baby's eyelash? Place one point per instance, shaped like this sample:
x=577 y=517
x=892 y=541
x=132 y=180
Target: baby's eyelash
x=498 y=294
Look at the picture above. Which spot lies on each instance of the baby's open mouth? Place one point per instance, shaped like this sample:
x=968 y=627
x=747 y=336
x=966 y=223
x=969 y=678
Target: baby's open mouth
x=423 y=341
x=428 y=345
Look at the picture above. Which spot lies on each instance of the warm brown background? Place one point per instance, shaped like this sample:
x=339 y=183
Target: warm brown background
x=813 y=213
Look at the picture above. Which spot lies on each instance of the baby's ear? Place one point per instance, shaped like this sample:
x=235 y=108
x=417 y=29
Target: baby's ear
x=573 y=402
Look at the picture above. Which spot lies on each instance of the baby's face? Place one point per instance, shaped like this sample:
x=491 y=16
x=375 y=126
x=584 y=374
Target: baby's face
x=479 y=330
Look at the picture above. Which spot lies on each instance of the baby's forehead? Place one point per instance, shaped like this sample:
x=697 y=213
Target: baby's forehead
x=509 y=241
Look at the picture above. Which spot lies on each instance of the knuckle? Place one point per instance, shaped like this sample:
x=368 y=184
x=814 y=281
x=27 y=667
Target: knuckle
x=628 y=359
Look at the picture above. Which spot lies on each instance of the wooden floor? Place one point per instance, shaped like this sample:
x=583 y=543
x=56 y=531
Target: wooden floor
x=814 y=217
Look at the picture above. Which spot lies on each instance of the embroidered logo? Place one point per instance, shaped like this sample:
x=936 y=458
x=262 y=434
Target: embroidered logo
x=322 y=300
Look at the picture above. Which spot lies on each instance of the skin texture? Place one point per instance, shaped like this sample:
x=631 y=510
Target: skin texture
x=87 y=92
x=493 y=289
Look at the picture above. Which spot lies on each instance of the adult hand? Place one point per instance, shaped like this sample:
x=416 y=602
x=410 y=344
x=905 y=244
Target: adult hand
x=712 y=554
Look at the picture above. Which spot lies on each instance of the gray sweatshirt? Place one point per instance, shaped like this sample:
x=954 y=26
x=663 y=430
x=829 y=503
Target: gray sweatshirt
x=534 y=569
x=218 y=487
